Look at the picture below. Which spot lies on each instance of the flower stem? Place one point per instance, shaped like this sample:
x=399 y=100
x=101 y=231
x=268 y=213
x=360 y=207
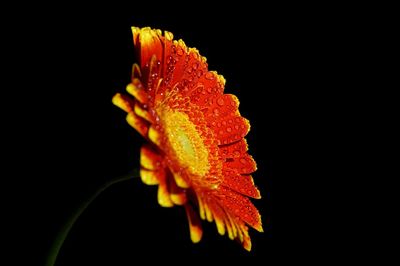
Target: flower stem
x=62 y=235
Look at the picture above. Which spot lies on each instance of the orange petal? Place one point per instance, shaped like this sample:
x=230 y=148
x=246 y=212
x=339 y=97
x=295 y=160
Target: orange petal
x=136 y=89
x=234 y=150
x=196 y=231
x=148 y=43
x=205 y=212
x=140 y=111
x=219 y=216
x=207 y=91
x=155 y=136
x=123 y=102
x=138 y=123
x=151 y=177
x=246 y=240
x=208 y=212
x=244 y=164
x=177 y=194
x=180 y=181
x=230 y=129
x=240 y=207
x=223 y=106
x=176 y=61
x=163 y=195
x=243 y=184
x=149 y=157
x=152 y=77
x=231 y=227
x=201 y=207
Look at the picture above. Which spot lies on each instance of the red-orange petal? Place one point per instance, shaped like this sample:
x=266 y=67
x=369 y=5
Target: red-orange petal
x=148 y=42
x=245 y=164
x=234 y=150
x=240 y=206
x=243 y=184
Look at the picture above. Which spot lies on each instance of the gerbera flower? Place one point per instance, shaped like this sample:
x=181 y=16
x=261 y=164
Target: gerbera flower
x=195 y=151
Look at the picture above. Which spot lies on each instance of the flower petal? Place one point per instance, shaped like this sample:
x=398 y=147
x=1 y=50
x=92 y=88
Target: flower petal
x=226 y=132
x=243 y=184
x=151 y=177
x=123 y=102
x=177 y=194
x=149 y=157
x=196 y=232
x=240 y=207
x=138 y=123
x=163 y=195
x=136 y=89
x=148 y=43
x=245 y=164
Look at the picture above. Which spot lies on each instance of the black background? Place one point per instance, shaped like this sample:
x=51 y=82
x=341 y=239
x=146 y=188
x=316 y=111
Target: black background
x=70 y=60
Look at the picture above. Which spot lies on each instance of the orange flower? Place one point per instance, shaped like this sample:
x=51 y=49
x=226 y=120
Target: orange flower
x=196 y=151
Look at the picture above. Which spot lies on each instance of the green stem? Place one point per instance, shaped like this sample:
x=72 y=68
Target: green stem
x=62 y=235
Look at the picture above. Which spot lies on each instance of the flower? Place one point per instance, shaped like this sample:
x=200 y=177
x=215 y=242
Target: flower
x=196 y=152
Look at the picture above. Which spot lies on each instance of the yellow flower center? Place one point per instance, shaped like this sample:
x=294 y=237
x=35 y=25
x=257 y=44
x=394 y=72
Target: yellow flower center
x=186 y=142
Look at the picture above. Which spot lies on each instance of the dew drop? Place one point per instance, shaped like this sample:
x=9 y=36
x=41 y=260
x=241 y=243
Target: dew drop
x=223 y=123
x=229 y=129
x=219 y=125
x=221 y=132
x=216 y=112
x=243 y=161
x=195 y=66
x=220 y=101
x=236 y=127
x=230 y=121
x=169 y=59
x=236 y=153
x=199 y=73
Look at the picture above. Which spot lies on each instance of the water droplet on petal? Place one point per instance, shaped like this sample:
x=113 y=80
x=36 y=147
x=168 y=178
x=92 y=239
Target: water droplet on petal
x=229 y=129
x=220 y=101
x=236 y=153
x=243 y=161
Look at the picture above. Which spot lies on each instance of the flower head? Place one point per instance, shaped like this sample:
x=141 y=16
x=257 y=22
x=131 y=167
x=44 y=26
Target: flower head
x=196 y=152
